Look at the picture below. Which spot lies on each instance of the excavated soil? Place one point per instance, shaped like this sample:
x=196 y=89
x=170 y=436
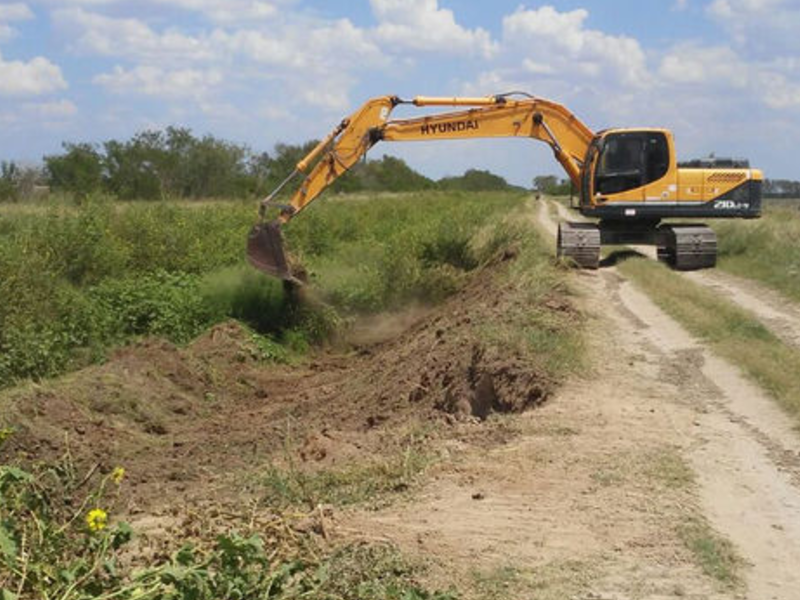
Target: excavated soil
x=184 y=421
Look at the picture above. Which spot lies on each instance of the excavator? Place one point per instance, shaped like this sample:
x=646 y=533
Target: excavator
x=628 y=179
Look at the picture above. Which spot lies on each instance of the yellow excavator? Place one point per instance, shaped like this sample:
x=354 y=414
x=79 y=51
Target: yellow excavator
x=628 y=179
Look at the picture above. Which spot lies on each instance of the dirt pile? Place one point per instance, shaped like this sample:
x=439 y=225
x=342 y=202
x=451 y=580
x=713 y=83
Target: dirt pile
x=184 y=420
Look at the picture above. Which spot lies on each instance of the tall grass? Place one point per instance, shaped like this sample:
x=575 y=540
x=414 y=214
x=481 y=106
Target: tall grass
x=766 y=250
x=75 y=280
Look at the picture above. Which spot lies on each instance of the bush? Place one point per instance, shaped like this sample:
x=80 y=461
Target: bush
x=75 y=280
x=160 y=303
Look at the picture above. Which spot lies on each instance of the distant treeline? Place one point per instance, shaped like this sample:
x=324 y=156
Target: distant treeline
x=781 y=188
x=174 y=163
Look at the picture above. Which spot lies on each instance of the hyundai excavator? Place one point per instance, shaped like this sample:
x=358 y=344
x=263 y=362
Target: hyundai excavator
x=628 y=179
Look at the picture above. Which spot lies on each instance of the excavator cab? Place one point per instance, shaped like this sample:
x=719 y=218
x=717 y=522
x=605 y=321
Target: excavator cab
x=633 y=175
x=624 y=162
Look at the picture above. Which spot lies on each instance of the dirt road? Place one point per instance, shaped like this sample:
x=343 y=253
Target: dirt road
x=746 y=452
x=629 y=483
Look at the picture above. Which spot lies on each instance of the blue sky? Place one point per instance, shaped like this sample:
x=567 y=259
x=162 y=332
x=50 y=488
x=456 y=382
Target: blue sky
x=724 y=75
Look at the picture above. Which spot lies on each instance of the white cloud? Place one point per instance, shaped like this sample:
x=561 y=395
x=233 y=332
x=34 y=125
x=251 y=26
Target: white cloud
x=34 y=77
x=16 y=11
x=57 y=109
x=160 y=62
x=562 y=41
x=227 y=11
x=98 y=34
x=10 y=13
x=421 y=25
x=706 y=65
x=220 y=11
x=778 y=92
x=155 y=81
x=531 y=66
x=763 y=26
x=330 y=44
x=721 y=71
x=328 y=47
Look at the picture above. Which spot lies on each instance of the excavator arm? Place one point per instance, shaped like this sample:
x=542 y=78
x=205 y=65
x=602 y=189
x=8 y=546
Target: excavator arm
x=489 y=117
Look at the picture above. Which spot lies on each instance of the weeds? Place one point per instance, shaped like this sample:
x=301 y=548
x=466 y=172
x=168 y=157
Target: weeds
x=765 y=250
x=715 y=555
x=551 y=581
x=547 y=329
x=358 y=483
x=61 y=537
x=76 y=280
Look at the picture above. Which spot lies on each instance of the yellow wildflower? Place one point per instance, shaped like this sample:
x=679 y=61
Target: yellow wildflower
x=97 y=519
x=118 y=475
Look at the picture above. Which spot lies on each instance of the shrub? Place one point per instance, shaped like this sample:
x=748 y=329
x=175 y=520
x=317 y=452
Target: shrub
x=75 y=280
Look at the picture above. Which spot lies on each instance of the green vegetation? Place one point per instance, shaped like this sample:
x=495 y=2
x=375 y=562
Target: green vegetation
x=75 y=280
x=174 y=163
x=60 y=538
x=668 y=468
x=713 y=553
x=357 y=483
x=546 y=329
x=765 y=250
x=552 y=581
x=552 y=185
x=781 y=188
x=730 y=331
x=474 y=180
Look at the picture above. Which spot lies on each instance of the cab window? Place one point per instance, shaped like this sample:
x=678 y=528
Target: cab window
x=631 y=160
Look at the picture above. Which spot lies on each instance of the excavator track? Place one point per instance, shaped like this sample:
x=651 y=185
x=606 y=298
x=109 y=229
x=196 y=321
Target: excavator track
x=687 y=247
x=579 y=242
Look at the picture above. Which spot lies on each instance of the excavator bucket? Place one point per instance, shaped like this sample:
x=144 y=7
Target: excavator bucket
x=265 y=250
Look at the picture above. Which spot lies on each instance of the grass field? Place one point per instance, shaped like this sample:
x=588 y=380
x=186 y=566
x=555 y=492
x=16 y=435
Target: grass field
x=77 y=280
x=765 y=249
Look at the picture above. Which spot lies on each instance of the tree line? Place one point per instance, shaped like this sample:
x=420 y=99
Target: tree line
x=175 y=163
x=781 y=188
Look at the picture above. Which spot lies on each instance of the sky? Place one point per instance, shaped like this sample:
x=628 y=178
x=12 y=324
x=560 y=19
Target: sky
x=724 y=75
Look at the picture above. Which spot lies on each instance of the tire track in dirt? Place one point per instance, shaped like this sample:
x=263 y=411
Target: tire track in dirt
x=779 y=314
x=744 y=450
